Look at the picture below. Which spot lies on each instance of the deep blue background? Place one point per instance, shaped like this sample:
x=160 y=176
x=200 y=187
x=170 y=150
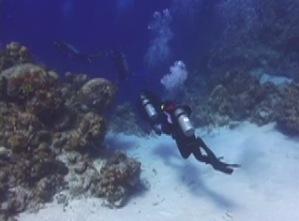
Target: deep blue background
x=100 y=25
x=89 y=25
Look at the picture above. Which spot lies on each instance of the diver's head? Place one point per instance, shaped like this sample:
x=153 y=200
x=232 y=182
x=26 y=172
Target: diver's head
x=168 y=106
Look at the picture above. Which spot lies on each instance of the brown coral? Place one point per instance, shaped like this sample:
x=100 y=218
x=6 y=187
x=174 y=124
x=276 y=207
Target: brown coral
x=24 y=80
x=43 y=119
x=97 y=94
x=89 y=132
x=14 y=54
x=287 y=115
x=118 y=176
x=237 y=97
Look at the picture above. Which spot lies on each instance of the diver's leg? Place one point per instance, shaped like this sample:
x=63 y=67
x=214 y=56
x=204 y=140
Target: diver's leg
x=197 y=153
x=209 y=157
x=183 y=148
x=201 y=151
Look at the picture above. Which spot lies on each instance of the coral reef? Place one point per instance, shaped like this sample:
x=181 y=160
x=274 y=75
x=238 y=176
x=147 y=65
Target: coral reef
x=29 y=178
x=14 y=53
x=50 y=130
x=117 y=177
x=114 y=179
x=97 y=94
x=88 y=132
x=124 y=120
x=239 y=96
x=288 y=110
x=257 y=35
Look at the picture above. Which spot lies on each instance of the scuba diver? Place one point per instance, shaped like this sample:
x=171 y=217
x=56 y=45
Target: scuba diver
x=74 y=53
x=172 y=119
x=118 y=58
x=121 y=64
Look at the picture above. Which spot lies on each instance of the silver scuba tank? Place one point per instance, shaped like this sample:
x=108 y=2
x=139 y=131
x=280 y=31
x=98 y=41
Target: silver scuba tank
x=184 y=122
x=149 y=108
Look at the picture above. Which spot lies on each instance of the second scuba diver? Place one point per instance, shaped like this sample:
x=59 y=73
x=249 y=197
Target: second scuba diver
x=172 y=119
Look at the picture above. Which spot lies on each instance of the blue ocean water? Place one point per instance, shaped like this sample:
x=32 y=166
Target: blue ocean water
x=232 y=64
x=102 y=25
x=90 y=26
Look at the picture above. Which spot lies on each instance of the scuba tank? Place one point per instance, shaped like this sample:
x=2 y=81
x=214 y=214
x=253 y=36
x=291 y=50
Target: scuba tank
x=149 y=107
x=184 y=122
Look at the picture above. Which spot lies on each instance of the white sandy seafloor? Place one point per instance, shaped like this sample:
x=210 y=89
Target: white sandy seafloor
x=266 y=188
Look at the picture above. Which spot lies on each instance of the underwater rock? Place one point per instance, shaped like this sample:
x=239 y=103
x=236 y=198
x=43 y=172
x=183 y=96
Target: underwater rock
x=264 y=111
x=46 y=188
x=117 y=177
x=89 y=132
x=17 y=128
x=76 y=80
x=47 y=140
x=82 y=173
x=14 y=54
x=5 y=153
x=97 y=94
x=17 y=201
x=236 y=97
x=43 y=167
x=257 y=34
x=287 y=115
x=124 y=120
x=233 y=98
x=24 y=80
x=73 y=157
x=47 y=105
x=221 y=101
x=81 y=184
x=28 y=180
x=81 y=167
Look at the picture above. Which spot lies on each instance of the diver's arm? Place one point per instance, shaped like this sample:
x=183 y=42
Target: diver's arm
x=157 y=128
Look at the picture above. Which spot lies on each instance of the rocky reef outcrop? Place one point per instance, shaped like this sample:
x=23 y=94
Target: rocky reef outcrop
x=125 y=120
x=257 y=34
x=239 y=96
x=14 y=53
x=51 y=134
x=114 y=178
x=118 y=176
x=287 y=116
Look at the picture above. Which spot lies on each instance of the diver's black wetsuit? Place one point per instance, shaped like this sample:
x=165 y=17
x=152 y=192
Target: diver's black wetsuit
x=187 y=145
x=196 y=146
x=75 y=54
x=121 y=64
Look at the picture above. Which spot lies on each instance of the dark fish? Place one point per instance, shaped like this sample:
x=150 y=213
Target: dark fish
x=121 y=64
x=74 y=53
x=118 y=58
